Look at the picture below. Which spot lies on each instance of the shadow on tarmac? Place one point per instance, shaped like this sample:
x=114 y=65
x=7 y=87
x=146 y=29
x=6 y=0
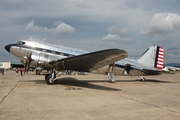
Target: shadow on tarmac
x=72 y=82
x=147 y=80
x=86 y=84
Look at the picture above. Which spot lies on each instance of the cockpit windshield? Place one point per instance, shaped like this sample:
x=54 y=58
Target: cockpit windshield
x=21 y=43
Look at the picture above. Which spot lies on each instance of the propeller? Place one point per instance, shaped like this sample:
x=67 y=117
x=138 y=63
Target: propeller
x=28 y=62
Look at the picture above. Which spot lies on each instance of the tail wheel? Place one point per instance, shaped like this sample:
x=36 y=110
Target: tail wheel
x=143 y=79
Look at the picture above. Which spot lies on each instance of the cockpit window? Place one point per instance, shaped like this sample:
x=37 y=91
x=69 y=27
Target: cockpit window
x=21 y=43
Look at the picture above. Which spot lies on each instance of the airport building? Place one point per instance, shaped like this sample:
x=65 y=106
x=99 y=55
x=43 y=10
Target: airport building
x=8 y=65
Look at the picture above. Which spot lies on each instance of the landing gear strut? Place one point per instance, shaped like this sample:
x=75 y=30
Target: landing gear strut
x=110 y=73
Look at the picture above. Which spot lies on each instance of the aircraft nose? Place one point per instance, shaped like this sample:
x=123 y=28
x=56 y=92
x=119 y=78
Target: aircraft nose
x=7 y=47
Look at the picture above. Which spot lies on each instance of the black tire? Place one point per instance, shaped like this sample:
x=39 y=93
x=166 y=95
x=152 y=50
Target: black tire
x=38 y=72
x=46 y=76
x=49 y=80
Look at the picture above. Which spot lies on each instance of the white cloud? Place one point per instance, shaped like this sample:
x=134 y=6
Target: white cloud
x=111 y=37
x=162 y=23
x=61 y=28
x=90 y=18
x=117 y=38
x=115 y=29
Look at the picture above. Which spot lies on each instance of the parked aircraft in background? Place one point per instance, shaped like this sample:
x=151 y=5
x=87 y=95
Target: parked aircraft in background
x=171 y=68
x=111 y=61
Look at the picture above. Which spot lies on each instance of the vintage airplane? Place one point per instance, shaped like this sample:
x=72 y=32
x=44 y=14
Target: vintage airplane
x=39 y=53
x=171 y=68
x=111 y=61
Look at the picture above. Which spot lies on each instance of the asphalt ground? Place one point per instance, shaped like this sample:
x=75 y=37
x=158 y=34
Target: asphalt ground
x=90 y=97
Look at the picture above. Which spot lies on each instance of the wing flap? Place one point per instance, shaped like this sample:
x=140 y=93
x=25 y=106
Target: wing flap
x=90 y=61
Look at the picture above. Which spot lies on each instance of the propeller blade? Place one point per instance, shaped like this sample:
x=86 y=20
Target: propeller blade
x=25 y=66
x=28 y=62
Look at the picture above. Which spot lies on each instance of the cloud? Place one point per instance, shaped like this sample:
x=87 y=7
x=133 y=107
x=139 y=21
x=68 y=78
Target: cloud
x=115 y=29
x=117 y=38
x=162 y=23
x=111 y=37
x=60 y=29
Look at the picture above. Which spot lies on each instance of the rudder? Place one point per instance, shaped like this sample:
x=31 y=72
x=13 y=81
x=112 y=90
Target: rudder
x=159 y=62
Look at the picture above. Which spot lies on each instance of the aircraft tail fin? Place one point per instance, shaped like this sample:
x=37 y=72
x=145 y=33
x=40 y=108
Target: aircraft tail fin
x=153 y=57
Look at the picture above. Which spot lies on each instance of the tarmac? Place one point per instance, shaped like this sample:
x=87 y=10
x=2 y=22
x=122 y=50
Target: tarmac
x=89 y=97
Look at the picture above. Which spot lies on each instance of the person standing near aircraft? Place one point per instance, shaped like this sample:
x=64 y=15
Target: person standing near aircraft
x=2 y=70
x=21 y=71
x=17 y=71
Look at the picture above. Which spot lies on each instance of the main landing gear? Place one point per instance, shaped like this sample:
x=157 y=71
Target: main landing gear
x=110 y=73
x=111 y=77
x=51 y=78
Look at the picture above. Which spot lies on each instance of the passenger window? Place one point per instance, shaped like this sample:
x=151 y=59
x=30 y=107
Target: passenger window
x=46 y=56
x=62 y=53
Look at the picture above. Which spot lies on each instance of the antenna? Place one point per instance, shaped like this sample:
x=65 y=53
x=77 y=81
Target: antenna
x=31 y=37
x=43 y=39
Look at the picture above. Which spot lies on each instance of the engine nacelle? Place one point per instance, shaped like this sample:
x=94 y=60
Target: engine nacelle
x=40 y=59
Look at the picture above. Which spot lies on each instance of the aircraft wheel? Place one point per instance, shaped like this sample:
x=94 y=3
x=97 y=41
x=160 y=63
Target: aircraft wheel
x=111 y=77
x=38 y=72
x=46 y=76
x=50 y=80
x=142 y=79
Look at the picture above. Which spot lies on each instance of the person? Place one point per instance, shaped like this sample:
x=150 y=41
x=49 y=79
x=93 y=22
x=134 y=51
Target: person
x=21 y=71
x=68 y=72
x=2 y=70
x=17 y=70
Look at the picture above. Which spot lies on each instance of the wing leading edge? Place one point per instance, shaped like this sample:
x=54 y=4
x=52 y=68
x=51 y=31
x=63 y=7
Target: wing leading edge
x=90 y=61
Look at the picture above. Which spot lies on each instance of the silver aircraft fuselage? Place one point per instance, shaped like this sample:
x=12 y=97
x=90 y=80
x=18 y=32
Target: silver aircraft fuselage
x=42 y=53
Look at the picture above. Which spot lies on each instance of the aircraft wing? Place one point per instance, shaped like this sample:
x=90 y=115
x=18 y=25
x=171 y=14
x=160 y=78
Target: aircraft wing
x=90 y=61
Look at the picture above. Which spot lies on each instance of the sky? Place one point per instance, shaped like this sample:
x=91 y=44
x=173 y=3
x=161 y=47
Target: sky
x=92 y=25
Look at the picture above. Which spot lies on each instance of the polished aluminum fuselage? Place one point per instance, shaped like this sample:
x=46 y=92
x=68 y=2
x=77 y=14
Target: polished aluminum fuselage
x=42 y=53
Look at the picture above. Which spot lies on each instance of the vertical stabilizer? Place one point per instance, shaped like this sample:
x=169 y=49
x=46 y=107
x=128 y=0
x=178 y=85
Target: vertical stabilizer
x=153 y=57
